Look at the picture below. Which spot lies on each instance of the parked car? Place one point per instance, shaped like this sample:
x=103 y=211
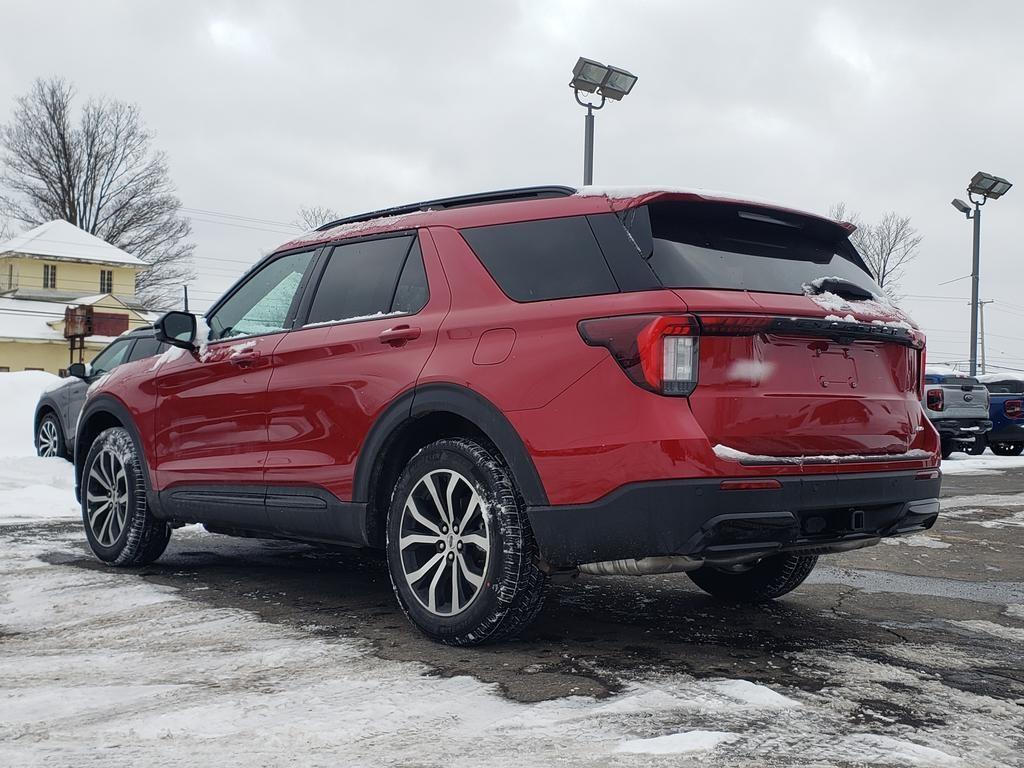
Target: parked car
x=58 y=407
x=1006 y=411
x=957 y=405
x=501 y=387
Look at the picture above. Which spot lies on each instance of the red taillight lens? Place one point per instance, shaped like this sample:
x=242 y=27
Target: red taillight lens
x=657 y=352
x=935 y=400
x=1014 y=409
x=735 y=325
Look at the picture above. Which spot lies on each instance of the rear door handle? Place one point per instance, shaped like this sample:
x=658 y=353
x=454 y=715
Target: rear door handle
x=399 y=335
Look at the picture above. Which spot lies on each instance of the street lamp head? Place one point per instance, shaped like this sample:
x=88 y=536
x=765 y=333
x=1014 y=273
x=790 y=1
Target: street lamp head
x=617 y=84
x=588 y=75
x=961 y=206
x=989 y=186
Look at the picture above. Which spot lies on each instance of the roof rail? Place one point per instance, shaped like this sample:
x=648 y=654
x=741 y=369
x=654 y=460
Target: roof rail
x=459 y=201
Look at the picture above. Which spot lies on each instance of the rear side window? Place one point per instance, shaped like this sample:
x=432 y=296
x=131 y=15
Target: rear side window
x=718 y=245
x=360 y=280
x=538 y=260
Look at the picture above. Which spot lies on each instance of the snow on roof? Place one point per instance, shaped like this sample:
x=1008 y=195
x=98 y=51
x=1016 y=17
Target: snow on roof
x=987 y=378
x=59 y=239
x=942 y=370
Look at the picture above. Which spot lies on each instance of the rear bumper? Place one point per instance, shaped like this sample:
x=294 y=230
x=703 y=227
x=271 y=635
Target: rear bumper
x=696 y=517
x=1006 y=433
x=961 y=429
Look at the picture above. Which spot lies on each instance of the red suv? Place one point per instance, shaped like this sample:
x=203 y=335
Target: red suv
x=500 y=387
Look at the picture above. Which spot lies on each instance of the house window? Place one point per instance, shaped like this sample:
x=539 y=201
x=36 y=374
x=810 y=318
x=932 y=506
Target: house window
x=49 y=276
x=10 y=277
x=4 y=369
x=106 y=280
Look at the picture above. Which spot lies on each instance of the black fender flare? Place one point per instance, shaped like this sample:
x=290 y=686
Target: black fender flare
x=105 y=405
x=460 y=401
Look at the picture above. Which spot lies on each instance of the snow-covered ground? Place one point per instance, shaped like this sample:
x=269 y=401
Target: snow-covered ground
x=101 y=667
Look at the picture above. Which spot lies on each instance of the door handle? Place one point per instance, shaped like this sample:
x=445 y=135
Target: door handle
x=244 y=359
x=399 y=335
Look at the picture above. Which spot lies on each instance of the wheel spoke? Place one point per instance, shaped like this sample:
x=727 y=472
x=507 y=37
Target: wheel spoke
x=410 y=505
x=473 y=578
x=429 y=482
x=96 y=512
x=104 y=536
x=456 y=606
x=96 y=475
x=417 y=538
x=453 y=480
x=476 y=540
x=424 y=569
x=432 y=591
x=474 y=505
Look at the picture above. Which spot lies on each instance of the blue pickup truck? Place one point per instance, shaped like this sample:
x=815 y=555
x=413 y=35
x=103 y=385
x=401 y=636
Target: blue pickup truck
x=1006 y=410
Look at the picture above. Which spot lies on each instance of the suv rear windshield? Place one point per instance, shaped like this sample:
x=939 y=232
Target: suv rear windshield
x=721 y=245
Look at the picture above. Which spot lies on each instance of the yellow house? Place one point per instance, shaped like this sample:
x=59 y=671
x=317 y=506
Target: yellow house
x=46 y=270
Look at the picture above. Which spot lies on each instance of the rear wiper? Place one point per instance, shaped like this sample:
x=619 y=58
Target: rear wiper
x=841 y=287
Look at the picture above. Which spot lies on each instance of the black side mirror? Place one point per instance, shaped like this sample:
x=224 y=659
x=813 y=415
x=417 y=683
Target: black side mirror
x=177 y=329
x=78 y=370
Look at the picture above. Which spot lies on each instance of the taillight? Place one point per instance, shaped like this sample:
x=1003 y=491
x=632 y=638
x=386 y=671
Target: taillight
x=1014 y=409
x=936 y=400
x=657 y=352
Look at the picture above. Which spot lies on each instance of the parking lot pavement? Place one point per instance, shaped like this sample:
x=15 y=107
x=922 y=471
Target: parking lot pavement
x=907 y=653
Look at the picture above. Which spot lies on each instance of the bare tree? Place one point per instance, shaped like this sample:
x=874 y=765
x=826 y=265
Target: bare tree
x=102 y=175
x=887 y=247
x=313 y=216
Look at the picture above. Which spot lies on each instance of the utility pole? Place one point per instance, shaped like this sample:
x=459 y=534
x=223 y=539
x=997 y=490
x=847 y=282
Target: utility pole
x=185 y=289
x=981 y=318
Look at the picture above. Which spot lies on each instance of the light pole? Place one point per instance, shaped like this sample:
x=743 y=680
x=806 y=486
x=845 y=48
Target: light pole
x=983 y=187
x=608 y=82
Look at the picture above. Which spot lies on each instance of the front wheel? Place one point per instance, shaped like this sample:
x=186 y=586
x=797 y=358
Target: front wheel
x=50 y=437
x=759 y=582
x=461 y=554
x=118 y=524
x=1007 y=449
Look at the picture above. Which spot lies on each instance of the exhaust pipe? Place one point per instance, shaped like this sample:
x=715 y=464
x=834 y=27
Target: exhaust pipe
x=645 y=566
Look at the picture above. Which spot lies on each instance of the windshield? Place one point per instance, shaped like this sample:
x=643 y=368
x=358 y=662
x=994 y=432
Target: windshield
x=712 y=245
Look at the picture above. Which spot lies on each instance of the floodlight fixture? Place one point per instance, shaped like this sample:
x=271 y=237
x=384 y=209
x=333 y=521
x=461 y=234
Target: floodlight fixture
x=989 y=186
x=589 y=76
x=617 y=84
x=961 y=206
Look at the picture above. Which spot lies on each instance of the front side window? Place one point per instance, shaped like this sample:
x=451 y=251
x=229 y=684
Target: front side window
x=49 y=276
x=111 y=357
x=106 y=280
x=146 y=346
x=264 y=303
x=361 y=280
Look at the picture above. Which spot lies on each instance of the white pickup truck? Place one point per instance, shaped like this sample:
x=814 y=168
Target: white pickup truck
x=957 y=406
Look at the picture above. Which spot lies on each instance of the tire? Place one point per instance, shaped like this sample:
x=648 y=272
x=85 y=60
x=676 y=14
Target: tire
x=977 y=447
x=50 y=437
x=122 y=531
x=947 y=449
x=486 y=548
x=1007 y=449
x=766 y=580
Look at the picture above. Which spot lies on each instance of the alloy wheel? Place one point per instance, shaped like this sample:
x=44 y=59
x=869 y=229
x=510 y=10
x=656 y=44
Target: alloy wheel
x=107 y=497
x=49 y=440
x=444 y=542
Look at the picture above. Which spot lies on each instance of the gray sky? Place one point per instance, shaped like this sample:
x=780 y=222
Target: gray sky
x=262 y=107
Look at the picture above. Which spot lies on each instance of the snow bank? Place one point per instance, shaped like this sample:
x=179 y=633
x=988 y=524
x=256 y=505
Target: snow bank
x=677 y=743
x=19 y=393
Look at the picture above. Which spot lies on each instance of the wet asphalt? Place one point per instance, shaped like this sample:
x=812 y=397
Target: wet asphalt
x=951 y=592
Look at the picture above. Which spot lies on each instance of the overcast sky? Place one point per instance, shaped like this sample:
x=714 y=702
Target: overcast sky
x=266 y=106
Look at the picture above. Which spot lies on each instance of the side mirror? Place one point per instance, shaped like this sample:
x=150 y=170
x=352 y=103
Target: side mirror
x=177 y=329
x=79 y=370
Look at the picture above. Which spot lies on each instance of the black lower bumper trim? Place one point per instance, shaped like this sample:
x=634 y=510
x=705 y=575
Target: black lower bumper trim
x=696 y=517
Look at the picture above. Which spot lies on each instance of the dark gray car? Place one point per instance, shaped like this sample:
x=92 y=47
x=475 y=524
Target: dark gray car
x=58 y=408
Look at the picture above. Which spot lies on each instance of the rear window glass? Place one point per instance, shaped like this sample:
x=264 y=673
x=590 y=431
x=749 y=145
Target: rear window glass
x=1009 y=386
x=716 y=245
x=538 y=260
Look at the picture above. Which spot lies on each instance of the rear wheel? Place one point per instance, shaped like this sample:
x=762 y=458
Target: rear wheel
x=1007 y=449
x=759 y=582
x=947 y=448
x=460 y=550
x=976 y=448
x=50 y=437
x=118 y=523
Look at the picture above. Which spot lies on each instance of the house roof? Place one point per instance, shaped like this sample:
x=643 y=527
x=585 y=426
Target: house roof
x=62 y=240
